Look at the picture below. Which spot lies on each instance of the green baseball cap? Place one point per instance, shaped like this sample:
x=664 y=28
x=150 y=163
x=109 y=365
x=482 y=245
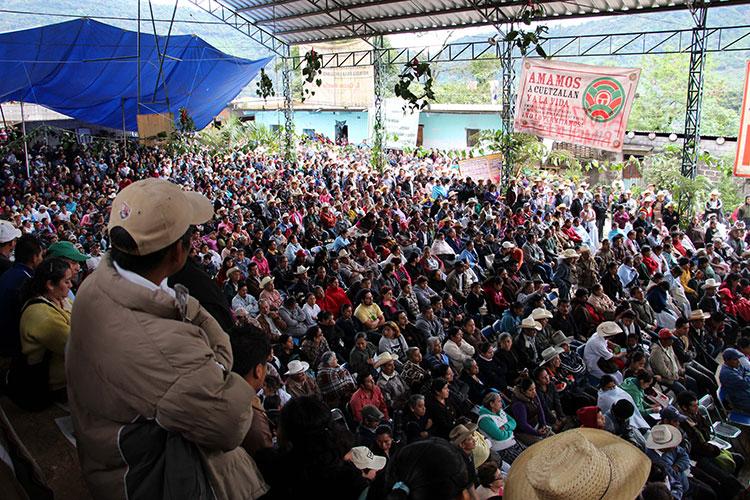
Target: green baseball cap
x=66 y=250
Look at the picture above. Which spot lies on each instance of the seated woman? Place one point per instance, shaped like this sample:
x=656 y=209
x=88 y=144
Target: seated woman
x=367 y=393
x=440 y=410
x=498 y=427
x=418 y=424
x=362 y=356
x=528 y=411
x=45 y=326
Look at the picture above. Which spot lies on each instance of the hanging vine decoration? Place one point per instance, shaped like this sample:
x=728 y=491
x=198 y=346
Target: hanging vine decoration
x=420 y=73
x=265 y=86
x=528 y=40
x=186 y=121
x=311 y=72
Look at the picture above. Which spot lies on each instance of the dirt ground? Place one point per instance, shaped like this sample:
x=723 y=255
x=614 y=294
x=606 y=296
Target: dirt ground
x=52 y=451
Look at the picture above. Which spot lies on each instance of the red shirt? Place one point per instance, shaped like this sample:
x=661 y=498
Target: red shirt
x=361 y=398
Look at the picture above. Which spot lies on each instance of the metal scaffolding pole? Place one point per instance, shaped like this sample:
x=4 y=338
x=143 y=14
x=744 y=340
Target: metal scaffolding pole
x=378 y=140
x=691 y=146
x=508 y=107
x=290 y=153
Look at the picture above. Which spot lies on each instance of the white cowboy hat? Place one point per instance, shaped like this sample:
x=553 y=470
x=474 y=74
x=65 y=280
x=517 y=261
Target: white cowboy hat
x=508 y=244
x=234 y=269
x=697 y=314
x=710 y=283
x=541 y=313
x=559 y=338
x=663 y=436
x=608 y=328
x=580 y=463
x=266 y=280
x=301 y=270
x=531 y=323
x=384 y=358
x=296 y=366
x=343 y=253
x=549 y=354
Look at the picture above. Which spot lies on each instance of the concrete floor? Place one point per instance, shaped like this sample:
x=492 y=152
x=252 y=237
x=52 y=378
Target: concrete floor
x=53 y=452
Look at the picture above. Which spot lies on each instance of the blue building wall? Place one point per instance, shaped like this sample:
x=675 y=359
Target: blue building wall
x=440 y=130
x=448 y=130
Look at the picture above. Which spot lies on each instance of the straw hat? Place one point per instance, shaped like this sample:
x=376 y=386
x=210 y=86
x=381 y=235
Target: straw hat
x=569 y=254
x=663 y=436
x=296 y=366
x=710 y=283
x=580 y=464
x=265 y=281
x=530 y=323
x=301 y=270
x=559 y=338
x=697 y=314
x=541 y=313
x=384 y=358
x=608 y=328
x=549 y=354
x=234 y=269
x=461 y=433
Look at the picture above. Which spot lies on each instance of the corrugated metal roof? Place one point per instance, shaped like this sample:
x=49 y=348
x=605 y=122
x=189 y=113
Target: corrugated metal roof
x=303 y=21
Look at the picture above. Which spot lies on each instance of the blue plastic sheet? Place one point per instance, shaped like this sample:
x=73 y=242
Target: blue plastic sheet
x=87 y=70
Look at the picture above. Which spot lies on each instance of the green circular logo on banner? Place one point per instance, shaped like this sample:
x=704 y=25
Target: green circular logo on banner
x=603 y=99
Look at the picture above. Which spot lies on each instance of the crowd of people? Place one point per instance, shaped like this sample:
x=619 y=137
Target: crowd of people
x=330 y=330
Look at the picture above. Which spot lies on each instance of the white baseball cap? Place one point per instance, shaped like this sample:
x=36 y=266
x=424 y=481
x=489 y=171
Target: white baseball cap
x=364 y=458
x=8 y=232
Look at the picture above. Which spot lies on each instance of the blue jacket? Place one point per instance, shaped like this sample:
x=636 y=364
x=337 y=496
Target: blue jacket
x=10 y=308
x=678 y=480
x=736 y=384
x=509 y=322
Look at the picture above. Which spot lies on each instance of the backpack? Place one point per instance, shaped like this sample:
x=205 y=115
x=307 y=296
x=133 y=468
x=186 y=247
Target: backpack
x=28 y=385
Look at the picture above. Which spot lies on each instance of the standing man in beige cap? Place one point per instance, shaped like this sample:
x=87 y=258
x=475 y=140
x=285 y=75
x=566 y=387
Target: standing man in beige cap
x=156 y=409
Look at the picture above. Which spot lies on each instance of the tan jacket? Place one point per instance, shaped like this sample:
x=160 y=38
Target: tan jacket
x=130 y=357
x=664 y=362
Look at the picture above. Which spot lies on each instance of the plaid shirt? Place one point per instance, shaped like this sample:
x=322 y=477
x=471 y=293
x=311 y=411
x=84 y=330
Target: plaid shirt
x=336 y=385
x=414 y=375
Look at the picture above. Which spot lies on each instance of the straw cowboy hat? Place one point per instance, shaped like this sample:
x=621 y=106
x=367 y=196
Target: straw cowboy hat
x=531 y=323
x=384 y=358
x=461 y=433
x=541 y=313
x=569 y=254
x=549 y=354
x=697 y=314
x=559 y=338
x=710 y=283
x=579 y=464
x=265 y=281
x=608 y=329
x=296 y=366
x=663 y=436
x=234 y=269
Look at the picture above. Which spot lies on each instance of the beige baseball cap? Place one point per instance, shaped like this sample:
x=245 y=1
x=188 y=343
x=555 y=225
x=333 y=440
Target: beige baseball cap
x=156 y=213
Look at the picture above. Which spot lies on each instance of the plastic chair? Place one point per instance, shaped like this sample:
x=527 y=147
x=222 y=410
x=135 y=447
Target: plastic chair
x=487 y=331
x=733 y=417
x=497 y=326
x=338 y=416
x=720 y=430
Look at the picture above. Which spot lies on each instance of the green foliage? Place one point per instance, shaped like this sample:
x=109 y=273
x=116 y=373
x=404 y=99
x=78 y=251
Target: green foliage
x=662 y=96
x=265 y=86
x=186 y=121
x=421 y=74
x=528 y=40
x=311 y=72
x=522 y=149
x=235 y=134
x=663 y=170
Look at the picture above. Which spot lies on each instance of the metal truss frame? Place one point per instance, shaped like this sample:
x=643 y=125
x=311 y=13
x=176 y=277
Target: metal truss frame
x=508 y=110
x=718 y=39
x=378 y=128
x=244 y=25
x=691 y=144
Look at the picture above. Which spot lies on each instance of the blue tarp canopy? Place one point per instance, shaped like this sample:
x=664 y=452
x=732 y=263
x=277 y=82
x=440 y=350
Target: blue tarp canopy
x=87 y=70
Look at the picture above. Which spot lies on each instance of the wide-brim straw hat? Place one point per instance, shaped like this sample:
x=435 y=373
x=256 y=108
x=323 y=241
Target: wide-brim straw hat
x=296 y=366
x=384 y=358
x=531 y=324
x=663 y=436
x=697 y=314
x=710 y=283
x=579 y=464
x=569 y=254
x=266 y=280
x=541 y=313
x=608 y=329
x=550 y=353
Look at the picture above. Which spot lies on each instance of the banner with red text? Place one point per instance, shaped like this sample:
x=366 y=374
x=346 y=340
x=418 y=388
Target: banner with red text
x=742 y=159
x=576 y=103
